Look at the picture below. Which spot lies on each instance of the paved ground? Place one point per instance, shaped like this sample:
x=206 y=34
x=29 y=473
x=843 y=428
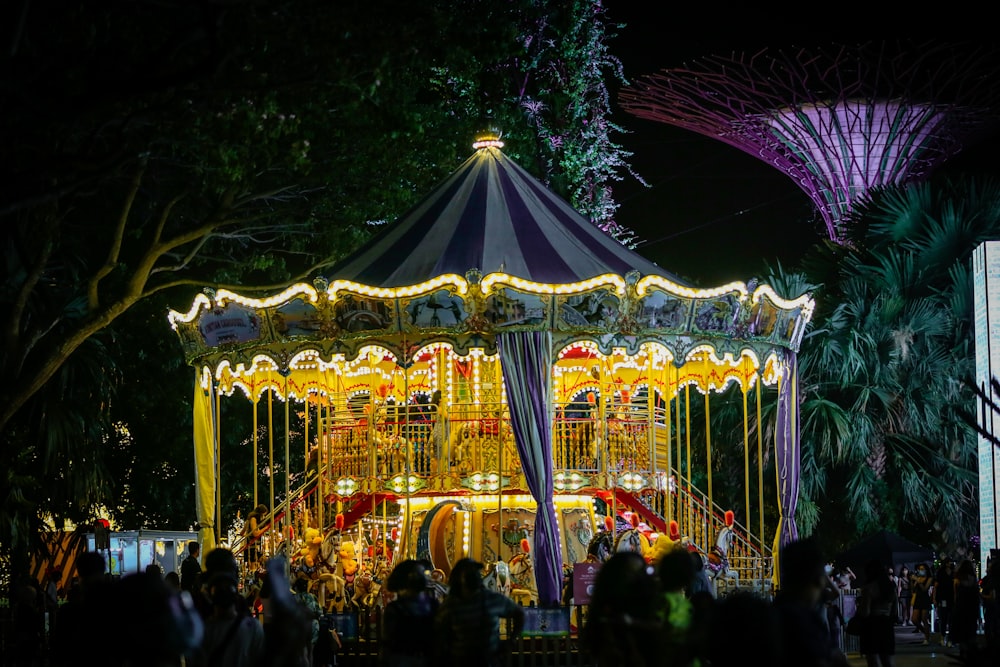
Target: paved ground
x=911 y=653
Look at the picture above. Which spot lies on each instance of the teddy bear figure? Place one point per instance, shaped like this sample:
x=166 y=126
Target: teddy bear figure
x=347 y=567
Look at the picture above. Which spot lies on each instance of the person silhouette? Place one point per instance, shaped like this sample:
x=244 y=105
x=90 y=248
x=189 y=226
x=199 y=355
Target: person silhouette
x=920 y=587
x=875 y=603
x=623 y=624
x=806 y=640
x=408 y=620
x=905 y=596
x=467 y=625
x=191 y=569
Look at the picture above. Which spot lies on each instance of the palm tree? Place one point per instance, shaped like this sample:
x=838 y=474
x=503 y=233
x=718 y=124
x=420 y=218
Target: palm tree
x=883 y=443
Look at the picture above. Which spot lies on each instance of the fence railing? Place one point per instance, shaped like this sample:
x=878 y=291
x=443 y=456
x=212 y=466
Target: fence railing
x=362 y=632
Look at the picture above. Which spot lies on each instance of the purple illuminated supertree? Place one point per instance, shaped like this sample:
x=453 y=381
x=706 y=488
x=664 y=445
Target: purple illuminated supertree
x=838 y=121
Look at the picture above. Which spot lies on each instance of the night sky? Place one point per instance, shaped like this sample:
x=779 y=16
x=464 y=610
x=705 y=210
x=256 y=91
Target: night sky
x=713 y=213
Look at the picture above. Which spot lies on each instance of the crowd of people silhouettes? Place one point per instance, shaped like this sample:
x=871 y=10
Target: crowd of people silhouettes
x=640 y=614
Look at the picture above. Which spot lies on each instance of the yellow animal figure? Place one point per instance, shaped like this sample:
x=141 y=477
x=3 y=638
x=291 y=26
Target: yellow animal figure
x=347 y=567
x=664 y=543
x=310 y=552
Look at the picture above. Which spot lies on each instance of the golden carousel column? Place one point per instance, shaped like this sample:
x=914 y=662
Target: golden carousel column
x=256 y=442
x=218 y=464
x=270 y=467
x=746 y=444
x=651 y=426
x=681 y=516
x=760 y=466
x=305 y=455
x=286 y=533
x=708 y=450
x=687 y=433
x=665 y=393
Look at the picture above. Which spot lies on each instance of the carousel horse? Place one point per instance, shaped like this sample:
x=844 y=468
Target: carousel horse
x=368 y=586
x=600 y=547
x=522 y=575
x=632 y=539
x=461 y=446
x=334 y=586
x=717 y=559
x=497 y=578
x=438 y=584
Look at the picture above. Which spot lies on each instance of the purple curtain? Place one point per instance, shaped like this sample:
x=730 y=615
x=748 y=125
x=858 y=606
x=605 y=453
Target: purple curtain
x=526 y=362
x=787 y=454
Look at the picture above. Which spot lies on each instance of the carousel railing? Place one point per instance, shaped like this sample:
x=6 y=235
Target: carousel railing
x=471 y=437
x=702 y=522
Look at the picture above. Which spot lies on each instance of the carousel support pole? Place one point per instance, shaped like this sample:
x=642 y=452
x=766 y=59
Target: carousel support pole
x=746 y=449
x=256 y=399
x=409 y=448
x=681 y=515
x=373 y=446
x=760 y=469
x=320 y=467
x=305 y=450
x=651 y=417
x=442 y=449
x=708 y=452
x=218 y=464
x=602 y=419
x=270 y=466
x=499 y=485
x=687 y=429
x=665 y=394
x=287 y=533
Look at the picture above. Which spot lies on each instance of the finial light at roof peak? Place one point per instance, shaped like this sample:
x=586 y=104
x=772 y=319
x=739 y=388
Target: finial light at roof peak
x=488 y=139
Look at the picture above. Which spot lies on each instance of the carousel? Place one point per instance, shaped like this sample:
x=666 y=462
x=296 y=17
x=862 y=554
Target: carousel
x=495 y=377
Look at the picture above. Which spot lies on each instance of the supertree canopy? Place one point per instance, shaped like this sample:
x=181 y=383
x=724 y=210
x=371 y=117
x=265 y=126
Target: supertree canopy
x=841 y=120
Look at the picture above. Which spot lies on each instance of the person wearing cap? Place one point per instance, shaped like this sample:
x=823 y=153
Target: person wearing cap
x=467 y=626
x=233 y=638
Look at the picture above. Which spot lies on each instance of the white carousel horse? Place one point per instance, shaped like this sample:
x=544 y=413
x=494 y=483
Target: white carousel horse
x=522 y=575
x=717 y=559
x=631 y=540
x=497 y=578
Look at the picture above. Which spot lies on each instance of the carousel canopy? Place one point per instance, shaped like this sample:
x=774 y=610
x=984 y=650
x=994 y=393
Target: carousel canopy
x=493 y=216
x=489 y=250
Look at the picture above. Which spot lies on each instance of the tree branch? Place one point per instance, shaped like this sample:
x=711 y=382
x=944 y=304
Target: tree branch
x=93 y=299
x=33 y=274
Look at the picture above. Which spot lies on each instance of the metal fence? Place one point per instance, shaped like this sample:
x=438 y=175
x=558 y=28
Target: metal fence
x=361 y=635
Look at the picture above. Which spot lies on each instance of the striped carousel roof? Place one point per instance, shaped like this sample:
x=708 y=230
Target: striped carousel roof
x=491 y=215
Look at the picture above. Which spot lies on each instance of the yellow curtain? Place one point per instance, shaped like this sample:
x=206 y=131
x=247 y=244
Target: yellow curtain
x=204 y=465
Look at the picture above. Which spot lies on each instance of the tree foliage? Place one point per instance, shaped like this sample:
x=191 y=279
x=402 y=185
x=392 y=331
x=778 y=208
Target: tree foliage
x=156 y=148
x=884 y=364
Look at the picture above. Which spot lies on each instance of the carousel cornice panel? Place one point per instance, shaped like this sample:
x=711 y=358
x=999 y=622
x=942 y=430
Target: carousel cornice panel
x=469 y=312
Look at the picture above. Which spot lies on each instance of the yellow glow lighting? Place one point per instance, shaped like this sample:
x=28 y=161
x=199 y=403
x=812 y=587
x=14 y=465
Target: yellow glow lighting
x=460 y=284
x=607 y=280
x=805 y=302
x=200 y=301
x=644 y=285
x=345 y=486
x=487 y=143
x=224 y=295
